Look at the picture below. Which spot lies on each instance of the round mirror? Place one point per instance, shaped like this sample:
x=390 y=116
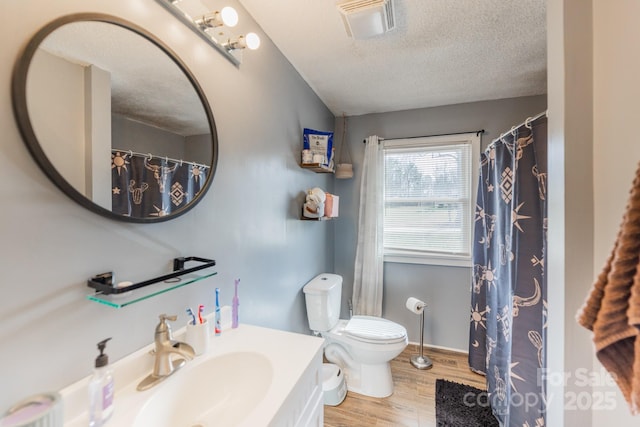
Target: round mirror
x=114 y=118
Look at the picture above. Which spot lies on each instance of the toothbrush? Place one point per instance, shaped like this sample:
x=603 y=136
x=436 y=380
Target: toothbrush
x=193 y=316
x=200 y=310
x=234 y=305
x=218 y=330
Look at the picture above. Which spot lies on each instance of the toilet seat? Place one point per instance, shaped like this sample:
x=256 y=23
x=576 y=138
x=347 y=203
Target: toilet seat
x=374 y=330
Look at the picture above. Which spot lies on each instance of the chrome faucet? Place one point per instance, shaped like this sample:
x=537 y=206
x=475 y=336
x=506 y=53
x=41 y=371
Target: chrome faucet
x=165 y=348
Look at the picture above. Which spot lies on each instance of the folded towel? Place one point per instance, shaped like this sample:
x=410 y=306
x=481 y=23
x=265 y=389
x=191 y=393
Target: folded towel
x=612 y=309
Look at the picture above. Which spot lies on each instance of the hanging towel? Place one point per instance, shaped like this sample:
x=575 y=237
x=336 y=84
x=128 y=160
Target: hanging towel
x=612 y=309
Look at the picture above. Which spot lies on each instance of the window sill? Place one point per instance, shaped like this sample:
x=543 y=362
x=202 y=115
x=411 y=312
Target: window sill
x=429 y=260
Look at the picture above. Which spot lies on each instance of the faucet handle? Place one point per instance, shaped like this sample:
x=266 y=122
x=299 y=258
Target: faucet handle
x=165 y=317
x=163 y=327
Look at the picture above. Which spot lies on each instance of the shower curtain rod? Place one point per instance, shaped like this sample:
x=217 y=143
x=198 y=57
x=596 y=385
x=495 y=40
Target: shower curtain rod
x=151 y=156
x=477 y=132
x=526 y=122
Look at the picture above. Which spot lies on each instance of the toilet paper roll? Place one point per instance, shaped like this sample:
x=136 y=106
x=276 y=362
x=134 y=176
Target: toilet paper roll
x=415 y=305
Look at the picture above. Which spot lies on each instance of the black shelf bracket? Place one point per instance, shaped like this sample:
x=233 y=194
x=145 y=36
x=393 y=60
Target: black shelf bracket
x=104 y=282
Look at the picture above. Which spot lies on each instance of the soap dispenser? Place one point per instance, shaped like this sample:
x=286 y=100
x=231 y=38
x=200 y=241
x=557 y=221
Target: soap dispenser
x=101 y=389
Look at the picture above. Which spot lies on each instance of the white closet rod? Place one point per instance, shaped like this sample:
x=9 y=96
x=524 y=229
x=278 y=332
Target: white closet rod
x=151 y=156
x=526 y=122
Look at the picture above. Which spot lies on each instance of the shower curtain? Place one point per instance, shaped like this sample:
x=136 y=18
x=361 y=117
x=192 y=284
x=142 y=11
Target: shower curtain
x=508 y=298
x=147 y=186
x=368 y=268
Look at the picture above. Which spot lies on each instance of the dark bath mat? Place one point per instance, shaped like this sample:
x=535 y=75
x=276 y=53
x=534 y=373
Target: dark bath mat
x=460 y=405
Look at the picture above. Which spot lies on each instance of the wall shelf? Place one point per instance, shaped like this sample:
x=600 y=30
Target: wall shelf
x=316 y=167
x=322 y=218
x=108 y=294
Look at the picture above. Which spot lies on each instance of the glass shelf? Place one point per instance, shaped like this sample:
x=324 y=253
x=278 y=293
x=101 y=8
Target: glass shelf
x=137 y=295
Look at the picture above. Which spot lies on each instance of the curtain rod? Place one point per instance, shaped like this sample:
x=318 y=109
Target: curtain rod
x=526 y=122
x=151 y=156
x=477 y=132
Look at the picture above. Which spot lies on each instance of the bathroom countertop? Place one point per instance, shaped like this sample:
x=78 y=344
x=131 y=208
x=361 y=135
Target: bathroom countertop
x=288 y=353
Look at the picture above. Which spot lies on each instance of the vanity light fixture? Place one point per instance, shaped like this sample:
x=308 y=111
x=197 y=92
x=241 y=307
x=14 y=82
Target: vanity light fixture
x=250 y=41
x=227 y=17
x=213 y=27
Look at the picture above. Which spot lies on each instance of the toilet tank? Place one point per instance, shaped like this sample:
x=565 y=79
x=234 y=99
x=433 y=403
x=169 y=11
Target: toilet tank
x=322 y=296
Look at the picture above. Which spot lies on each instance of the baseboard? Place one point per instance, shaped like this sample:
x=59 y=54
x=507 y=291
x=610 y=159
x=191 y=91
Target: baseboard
x=439 y=347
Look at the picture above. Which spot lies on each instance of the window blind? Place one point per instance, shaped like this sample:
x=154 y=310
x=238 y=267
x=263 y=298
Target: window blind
x=428 y=208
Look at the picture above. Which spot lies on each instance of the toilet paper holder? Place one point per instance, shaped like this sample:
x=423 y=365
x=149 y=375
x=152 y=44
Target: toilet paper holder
x=419 y=361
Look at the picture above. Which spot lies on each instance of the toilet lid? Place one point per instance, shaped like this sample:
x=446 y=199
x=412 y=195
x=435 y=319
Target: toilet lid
x=375 y=329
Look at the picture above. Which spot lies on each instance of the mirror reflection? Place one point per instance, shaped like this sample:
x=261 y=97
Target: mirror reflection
x=119 y=120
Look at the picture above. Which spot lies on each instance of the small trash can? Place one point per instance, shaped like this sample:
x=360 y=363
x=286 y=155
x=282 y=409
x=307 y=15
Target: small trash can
x=333 y=386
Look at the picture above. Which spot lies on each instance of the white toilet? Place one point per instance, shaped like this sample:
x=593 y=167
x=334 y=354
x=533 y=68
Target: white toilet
x=362 y=347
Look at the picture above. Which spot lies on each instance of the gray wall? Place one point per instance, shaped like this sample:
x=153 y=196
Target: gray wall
x=136 y=136
x=248 y=221
x=444 y=289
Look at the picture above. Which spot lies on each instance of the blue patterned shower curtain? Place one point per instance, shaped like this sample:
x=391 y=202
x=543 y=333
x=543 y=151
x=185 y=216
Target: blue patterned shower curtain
x=147 y=186
x=508 y=298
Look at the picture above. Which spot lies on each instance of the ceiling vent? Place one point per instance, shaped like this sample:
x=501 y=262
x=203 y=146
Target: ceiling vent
x=367 y=18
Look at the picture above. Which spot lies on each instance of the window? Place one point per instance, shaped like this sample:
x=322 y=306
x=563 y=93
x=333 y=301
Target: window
x=429 y=199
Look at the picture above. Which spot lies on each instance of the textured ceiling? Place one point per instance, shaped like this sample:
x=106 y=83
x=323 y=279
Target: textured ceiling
x=441 y=52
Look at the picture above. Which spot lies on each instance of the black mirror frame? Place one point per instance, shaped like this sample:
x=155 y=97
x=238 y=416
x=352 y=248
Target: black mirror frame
x=21 y=113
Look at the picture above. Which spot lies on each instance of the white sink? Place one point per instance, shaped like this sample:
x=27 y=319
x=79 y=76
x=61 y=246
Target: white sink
x=222 y=390
x=250 y=377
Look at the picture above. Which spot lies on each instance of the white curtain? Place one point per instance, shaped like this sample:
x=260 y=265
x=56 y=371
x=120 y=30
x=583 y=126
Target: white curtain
x=367 y=284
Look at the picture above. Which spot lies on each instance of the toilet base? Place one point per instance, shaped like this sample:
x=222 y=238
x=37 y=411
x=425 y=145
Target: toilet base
x=370 y=380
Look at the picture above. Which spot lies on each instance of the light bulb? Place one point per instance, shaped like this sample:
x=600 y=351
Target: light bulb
x=252 y=40
x=229 y=16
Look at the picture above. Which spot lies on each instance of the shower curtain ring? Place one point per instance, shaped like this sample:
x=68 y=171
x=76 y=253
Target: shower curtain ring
x=527 y=123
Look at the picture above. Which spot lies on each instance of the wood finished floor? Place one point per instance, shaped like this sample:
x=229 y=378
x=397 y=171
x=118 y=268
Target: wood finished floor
x=412 y=403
